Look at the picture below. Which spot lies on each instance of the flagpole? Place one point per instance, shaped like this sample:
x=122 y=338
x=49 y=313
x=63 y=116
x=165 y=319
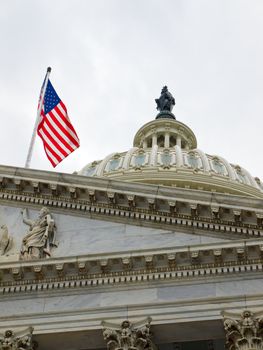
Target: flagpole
x=33 y=138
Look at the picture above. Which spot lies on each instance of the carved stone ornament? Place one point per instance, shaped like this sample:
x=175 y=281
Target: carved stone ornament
x=40 y=238
x=244 y=332
x=6 y=241
x=128 y=336
x=21 y=340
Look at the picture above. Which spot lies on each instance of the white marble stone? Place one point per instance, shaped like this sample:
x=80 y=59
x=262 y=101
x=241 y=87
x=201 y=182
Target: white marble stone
x=91 y=298
x=80 y=236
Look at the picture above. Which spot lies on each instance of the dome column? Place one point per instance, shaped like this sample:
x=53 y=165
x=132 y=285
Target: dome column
x=178 y=140
x=166 y=140
x=154 y=140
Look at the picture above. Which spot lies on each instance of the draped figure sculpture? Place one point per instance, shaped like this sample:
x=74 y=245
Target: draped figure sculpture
x=165 y=104
x=40 y=238
x=6 y=241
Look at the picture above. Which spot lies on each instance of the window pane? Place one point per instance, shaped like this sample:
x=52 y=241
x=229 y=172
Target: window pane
x=193 y=161
x=218 y=167
x=139 y=159
x=90 y=171
x=166 y=158
x=113 y=164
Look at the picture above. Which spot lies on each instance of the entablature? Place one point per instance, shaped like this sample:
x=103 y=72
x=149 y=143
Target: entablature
x=169 y=264
x=135 y=203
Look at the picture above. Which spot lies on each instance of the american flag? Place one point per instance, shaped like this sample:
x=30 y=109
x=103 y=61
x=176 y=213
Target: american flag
x=55 y=129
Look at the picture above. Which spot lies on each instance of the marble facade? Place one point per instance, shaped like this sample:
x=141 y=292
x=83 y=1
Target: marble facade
x=124 y=254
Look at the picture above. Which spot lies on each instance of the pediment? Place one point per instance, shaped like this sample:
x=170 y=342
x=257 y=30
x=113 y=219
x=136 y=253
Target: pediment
x=78 y=235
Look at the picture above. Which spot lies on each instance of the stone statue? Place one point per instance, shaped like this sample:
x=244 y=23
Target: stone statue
x=128 y=336
x=6 y=240
x=166 y=101
x=40 y=237
x=21 y=340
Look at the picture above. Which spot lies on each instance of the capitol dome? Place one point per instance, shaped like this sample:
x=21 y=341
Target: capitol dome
x=165 y=153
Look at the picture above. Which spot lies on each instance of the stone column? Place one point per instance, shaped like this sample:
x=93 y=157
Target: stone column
x=179 y=140
x=128 y=336
x=154 y=140
x=166 y=140
x=243 y=332
x=21 y=340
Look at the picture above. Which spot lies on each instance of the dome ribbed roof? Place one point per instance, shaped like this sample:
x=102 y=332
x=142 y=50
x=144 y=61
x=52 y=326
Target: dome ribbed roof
x=165 y=153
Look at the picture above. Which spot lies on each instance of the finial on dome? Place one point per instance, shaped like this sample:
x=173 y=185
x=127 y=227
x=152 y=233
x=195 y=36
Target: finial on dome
x=165 y=104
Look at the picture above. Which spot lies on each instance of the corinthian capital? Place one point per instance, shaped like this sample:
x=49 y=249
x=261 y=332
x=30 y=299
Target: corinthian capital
x=245 y=331
x=21 y=340
x=128 y=336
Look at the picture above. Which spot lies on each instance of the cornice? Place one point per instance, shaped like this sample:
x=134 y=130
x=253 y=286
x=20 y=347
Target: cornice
x=140 y=204
x=133 y=267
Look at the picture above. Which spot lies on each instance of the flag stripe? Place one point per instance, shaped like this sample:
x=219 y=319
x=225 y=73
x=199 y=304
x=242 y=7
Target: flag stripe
x=64 y=120
x=48 y=142
x=54 y=128
x=51 y=158
x=57 y=136
x=54 y=140
x=62 y=132
x=62 y=127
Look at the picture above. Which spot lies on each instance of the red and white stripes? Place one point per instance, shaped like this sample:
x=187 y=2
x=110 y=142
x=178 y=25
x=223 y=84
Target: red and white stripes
x=57 y=133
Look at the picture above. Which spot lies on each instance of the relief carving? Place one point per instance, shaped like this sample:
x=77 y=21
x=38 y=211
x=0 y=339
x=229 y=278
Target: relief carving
x=244 y=332
x=6 y=241
x=40 y=238
x=128 y=336
x=21 y=340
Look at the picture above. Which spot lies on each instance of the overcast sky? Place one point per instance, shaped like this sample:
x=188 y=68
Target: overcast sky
x=110 y=59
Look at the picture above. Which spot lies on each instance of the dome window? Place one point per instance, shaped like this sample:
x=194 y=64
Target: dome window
x=193 y=160
x=240 y=176
x=172 y=141
x=218 y=166
x=166 y=159
x=160 y=141
x=149 y=143
x=139 y=159
x=89 y=171
x=183 y=144
x=114 y=163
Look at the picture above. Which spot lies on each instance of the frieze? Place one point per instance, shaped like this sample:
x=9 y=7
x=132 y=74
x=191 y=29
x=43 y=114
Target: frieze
x=226 y=259
x=146 y=214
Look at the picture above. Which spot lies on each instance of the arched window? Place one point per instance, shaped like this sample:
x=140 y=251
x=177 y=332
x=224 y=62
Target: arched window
x=193 y=161
x=149 y=142
x=139 y=159
x=172 y=141
x=218 y=166
x=114 y=163
x=89 y=171
x=241 y=177
x=166 y=159
x=160 y=141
